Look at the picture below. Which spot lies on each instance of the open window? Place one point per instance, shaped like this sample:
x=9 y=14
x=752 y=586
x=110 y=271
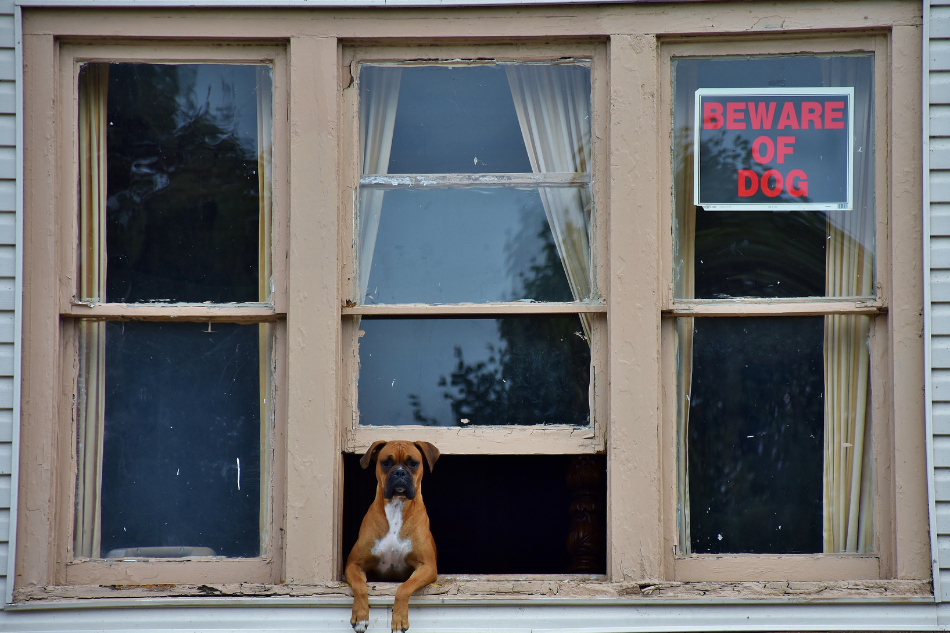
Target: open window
x=475 y=322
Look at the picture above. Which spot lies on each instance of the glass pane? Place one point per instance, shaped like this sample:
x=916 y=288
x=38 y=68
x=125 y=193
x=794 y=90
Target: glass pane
x=469 y=372
x=457 y=119
x=763 y=253
x=188 y=160
x=181 y=435
x=755 y=434
x=464 y=245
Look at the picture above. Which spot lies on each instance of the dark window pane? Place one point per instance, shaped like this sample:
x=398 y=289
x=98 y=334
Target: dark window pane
x=755 y=435
x=760 y=254
x=459 y=372
x=181 y=453
x=183 y=185
x=454 y=120
x=464 y=245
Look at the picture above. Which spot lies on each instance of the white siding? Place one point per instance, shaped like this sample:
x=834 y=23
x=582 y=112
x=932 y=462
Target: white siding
x=939 y=179
x=7 y=273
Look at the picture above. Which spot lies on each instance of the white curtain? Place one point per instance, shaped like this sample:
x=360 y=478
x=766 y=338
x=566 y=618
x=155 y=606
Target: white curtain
x=379 y=95
x=553 y=106
x=848 y=502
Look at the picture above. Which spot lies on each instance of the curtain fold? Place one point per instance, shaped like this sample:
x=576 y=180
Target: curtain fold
x=93 y=91
x=553 y=107
x=379 y=96
x=849 y=270
x=265 y=127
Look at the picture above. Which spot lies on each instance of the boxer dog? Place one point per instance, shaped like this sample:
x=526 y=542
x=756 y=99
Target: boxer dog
x=394 y=541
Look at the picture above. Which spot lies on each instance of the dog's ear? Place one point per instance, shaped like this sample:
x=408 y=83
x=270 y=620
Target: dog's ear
x=431 y=453
x=371 y=454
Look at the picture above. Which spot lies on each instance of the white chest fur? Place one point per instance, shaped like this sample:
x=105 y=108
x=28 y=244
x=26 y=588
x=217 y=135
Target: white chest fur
x=391 y=551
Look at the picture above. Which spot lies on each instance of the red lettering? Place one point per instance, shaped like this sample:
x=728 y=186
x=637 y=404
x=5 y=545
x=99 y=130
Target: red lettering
x=833 y=111
x=785 y=147
x=712 y=115
x=748 y=183
x=811 y=111
x=769 y=191
x=757 y=149
x=799 y=190
x=761 y=117
x=788 y=118
x=734 y=116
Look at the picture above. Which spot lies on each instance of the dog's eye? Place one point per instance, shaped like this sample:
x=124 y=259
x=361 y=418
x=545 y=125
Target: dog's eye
x=411 y=463
x=387 y=463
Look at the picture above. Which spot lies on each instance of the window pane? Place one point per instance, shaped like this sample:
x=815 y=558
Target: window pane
x=763 y=253
x=755 y=433
x=462 y=372
x=188 y=161
x=180 y=437
x=464 y=245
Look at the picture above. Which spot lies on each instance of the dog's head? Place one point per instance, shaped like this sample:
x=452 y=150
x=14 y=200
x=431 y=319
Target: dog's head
x=399 y=465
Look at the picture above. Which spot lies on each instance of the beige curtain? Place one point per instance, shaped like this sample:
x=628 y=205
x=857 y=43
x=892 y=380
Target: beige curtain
x=265 y=126
x=684 y=345
x=93 y=90
x=553 y=106
x=379 y=96
x=848 y=507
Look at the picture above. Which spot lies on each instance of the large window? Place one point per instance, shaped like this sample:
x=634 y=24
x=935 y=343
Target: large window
x=245 y=262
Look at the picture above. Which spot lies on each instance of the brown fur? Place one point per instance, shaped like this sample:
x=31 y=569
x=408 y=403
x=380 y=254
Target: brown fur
x=415 y=527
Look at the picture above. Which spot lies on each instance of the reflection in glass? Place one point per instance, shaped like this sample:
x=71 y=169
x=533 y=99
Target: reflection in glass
x=465 y=245
x=754 y=438
x=723 y=254
x=461 y=372
x=181 y=442
x=188 y=153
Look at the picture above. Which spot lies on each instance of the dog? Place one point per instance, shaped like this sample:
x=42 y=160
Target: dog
x=394 y=542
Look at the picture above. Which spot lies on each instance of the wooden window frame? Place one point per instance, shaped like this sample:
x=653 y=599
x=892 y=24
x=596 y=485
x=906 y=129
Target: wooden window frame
x=315 y=171
x=72 y=309
x=479 y=440
x=890 y=132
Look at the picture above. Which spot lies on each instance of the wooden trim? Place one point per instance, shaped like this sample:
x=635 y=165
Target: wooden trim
x=155 y=571
x=485 y=440
x=467 y=181
x=314 y=464
x=634 y=494
x=766 y=307
x=788 y=567
x=235 y=313
x=476 y=309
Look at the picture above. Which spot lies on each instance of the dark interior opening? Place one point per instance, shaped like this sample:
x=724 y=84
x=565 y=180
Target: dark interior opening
x=502 y=514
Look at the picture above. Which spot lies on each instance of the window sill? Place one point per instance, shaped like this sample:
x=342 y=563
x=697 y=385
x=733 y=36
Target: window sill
x=485 y=590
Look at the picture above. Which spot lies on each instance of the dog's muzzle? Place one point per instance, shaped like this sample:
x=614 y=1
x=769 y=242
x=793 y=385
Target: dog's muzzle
x=399 y=482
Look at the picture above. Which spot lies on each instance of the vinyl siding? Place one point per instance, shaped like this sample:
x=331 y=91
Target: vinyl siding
x=7 y=271
x=939 y=119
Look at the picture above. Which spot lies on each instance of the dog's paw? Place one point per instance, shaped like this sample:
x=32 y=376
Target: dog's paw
x=400 y=622
x=361 y=626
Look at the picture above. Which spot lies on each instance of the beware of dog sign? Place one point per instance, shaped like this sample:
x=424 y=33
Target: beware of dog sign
x=773 y=149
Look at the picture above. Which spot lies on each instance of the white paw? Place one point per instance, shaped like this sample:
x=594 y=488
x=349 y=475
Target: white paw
x=361 y=626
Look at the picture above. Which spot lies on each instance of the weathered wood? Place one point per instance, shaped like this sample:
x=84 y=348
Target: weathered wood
x=467 y=181
x=771 y=307
x=230 y=312
x=481 y=309
x=464 y=588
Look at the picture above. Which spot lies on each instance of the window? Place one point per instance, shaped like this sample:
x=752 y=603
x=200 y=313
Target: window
x=475 y=306
x=774 y=311
x=481 y=238
x=173 y=325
